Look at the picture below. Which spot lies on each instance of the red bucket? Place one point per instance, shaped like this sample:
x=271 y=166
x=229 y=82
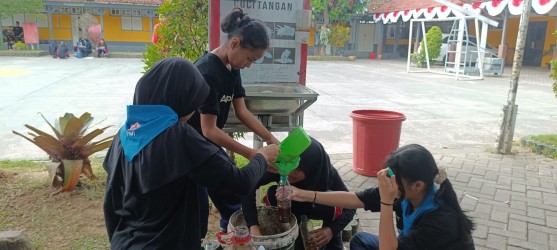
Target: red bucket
x=372 y=56
x=376 y=133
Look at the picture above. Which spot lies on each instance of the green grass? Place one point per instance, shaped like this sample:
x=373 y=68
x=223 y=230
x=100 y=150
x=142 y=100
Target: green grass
x=547 y=139
x=241 y=161
x=20 y=164
x=94 y=189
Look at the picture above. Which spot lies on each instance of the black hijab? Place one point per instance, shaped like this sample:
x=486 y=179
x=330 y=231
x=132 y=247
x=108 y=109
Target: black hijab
x=173 y=82
x=315 y=164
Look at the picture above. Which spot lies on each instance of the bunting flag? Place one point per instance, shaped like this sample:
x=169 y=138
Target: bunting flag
x=430 y=13
x=407 y=14
x=493 y=8
x=515 y=6
x=443 y=11
x=543 y=6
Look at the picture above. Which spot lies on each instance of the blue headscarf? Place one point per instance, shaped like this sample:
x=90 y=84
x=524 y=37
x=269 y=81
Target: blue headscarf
x=172 y=88
x=426 y=206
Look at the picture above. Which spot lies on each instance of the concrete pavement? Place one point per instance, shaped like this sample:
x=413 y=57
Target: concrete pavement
x=512 y=198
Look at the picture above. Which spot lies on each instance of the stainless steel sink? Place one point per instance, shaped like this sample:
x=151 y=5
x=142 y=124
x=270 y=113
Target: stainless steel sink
x=280 y=107
x=285 y=99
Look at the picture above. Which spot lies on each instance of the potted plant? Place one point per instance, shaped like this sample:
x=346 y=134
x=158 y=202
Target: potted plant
x=69 y=148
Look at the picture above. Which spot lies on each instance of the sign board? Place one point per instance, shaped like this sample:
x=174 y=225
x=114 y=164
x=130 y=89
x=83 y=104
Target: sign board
x=282 y=61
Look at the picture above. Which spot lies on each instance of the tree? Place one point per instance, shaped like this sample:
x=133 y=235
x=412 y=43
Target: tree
x=336 y=11
x=339 y=36
x=10 y=7
x=184 y=33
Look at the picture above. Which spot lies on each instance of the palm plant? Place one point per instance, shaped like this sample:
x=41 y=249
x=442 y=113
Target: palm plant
x=70 y=147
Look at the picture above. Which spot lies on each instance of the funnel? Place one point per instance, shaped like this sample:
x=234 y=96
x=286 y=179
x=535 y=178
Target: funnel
x=293 y=145
x=286 y=167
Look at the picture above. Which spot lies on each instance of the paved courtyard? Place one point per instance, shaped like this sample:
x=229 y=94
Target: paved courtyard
x=512 y=198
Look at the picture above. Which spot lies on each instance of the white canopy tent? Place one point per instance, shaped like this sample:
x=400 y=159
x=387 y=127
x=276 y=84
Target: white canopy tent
x=462 y=15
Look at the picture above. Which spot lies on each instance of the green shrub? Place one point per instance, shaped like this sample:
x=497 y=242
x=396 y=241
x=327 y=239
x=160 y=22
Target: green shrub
x=553 y=71
x=185 y=33
x=19 y=46
x=434 y=38
x=339 y=36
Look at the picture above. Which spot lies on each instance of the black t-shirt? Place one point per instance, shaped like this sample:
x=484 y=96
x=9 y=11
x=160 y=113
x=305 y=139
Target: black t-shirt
x=225 y=85
x=18 y=31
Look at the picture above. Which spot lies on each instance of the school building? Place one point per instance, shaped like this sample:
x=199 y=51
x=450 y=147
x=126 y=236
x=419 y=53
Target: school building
x=125 y=25
x=384 y=31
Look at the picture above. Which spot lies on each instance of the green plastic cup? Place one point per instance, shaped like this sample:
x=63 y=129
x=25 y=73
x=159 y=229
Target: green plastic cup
x=293 y=145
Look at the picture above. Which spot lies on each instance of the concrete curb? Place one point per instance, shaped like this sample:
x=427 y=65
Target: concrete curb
x=539 y=147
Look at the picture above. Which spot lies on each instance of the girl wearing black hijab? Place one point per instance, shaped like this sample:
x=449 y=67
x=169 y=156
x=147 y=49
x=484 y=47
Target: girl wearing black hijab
x=157 y=160
x=315 y=172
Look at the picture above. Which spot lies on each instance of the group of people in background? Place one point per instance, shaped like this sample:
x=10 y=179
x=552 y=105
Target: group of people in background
x=11 y=35
x=83 y=48
x=168 y=158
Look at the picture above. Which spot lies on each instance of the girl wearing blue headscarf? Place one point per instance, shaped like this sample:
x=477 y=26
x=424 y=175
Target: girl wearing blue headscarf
x=157 y=161
x=427 y=217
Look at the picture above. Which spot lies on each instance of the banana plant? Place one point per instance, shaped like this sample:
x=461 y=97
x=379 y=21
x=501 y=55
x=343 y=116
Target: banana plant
x=70 y=147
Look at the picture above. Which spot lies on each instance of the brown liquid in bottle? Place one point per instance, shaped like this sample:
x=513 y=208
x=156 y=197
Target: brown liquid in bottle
x=283 y=214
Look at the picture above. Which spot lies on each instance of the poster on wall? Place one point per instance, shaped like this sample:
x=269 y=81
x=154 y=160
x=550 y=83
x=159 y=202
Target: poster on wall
x=281 y=62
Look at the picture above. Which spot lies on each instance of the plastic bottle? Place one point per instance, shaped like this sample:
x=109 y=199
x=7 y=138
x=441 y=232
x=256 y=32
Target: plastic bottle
x=238 y=239
x=305 y=228
x=283 y=203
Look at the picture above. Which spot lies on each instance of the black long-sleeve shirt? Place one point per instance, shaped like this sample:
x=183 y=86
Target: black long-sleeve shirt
x=152 y=202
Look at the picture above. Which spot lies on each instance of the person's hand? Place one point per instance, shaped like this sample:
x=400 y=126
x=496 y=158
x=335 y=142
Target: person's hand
x=254 y=230
x=271 y=168
x=388 y=188
x=299 y=194
x=270 y=152
x=320 y=237
x=272 y=140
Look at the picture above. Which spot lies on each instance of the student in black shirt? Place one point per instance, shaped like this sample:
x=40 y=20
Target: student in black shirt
x=315 y=172
x=428 y=217
x=157 y=161
x=247 y=41
x=18 y=32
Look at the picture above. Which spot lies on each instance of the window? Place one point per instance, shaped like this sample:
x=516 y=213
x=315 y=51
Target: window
x=77 y=10
x=136 y=12
x=132 y=23
x=126 y=12
x=115 y=12
x=64 y=9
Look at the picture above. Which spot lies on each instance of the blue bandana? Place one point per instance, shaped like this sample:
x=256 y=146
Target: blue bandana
x=144 y=123
x=426 y=206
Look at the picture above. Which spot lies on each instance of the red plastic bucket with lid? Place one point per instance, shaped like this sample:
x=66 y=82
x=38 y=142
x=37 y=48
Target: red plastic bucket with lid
x=375 y=134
